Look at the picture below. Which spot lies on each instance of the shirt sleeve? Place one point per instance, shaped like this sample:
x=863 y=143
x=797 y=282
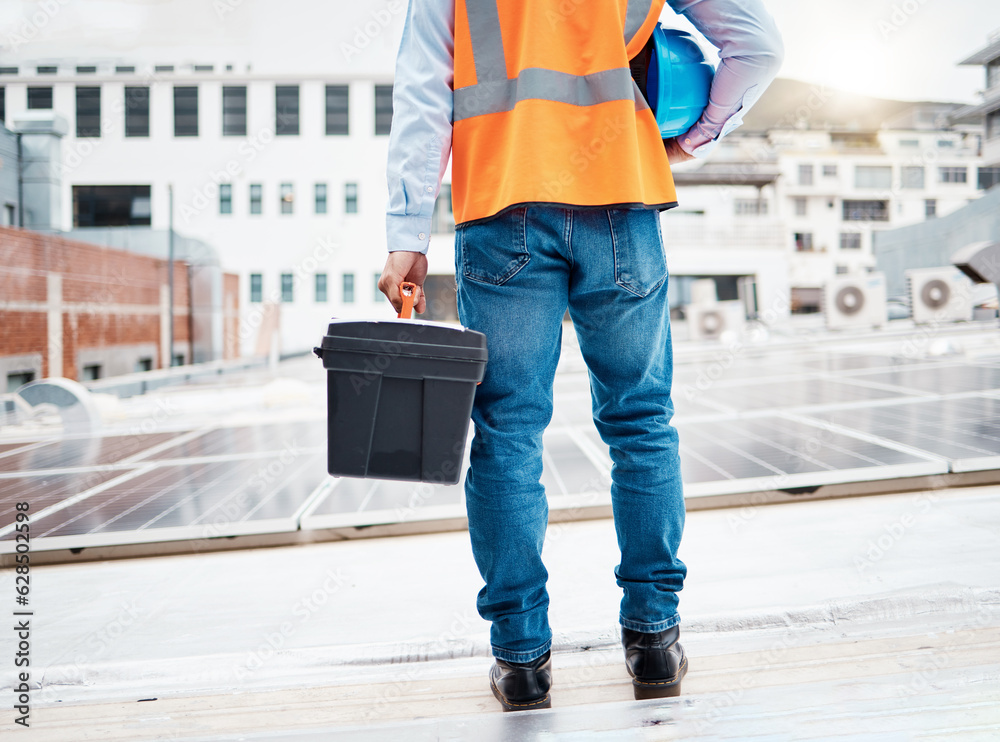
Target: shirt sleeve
x=750 y=54
x=420 y=136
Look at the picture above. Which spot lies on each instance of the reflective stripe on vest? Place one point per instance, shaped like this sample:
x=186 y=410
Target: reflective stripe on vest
x=541 y=118
x=495 y=93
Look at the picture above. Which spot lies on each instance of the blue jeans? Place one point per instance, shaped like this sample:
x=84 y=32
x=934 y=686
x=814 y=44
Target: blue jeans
x=517 y=273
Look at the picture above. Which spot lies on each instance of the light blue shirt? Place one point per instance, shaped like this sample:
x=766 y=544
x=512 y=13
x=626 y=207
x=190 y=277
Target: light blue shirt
x=750 y=53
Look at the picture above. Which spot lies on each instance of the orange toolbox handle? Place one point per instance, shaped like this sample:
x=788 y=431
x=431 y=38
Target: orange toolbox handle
x=407 y=290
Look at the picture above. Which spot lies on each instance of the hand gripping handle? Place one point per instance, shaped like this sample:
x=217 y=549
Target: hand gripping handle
x=407 y=291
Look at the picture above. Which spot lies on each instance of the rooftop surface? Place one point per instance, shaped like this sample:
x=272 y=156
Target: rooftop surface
x=871 y=615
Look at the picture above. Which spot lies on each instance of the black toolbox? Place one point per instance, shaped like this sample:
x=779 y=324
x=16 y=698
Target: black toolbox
x=399 y=397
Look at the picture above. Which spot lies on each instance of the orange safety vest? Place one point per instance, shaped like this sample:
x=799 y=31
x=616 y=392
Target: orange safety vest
x=546 y=110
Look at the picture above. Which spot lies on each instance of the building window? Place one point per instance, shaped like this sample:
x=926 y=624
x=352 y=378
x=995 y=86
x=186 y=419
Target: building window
x=946 y=143
x=204 y=68
x=909 y=142
x=9 y=217
x=750 y=207
x=865 y=211
x=829 y=171
x=801 y=206
x=144 y=364
x=125 y=69
x=930 y=208
x=321 y=198
x=111 y=206
x=383 y=109
x=873 y=176
x=287 y=193
x=320 y=287
x=136 y=111
x=805 y=175
x=86 y=70
x=256 y=288
x=287 y=288
x=178 y=359
x=850 y=240
x=186 y=111
x=225 y=198
x=803 y=241
x=911 y=176
x=348 y=288
x=91 y=372
x=286 y=107
x=988 y=177
x=163 y=68
x=256 y=198
x=993 y=125
x=39 y=99
x=350 y=198
x=953 y=174
x=376 y=291
x=88 y=111
x=442 y=218
x=337 y=110
x=47 y=70
x=3 y=103
x=18 y=379
x=234 y=110
x=8 y=70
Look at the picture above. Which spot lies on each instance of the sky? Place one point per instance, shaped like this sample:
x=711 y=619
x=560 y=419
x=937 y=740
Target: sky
x=904 y=49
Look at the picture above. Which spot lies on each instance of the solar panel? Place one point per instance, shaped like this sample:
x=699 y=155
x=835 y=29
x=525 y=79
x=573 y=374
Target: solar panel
x=44 y=490
x=233 y=441
x=965 y=430
x=190 y=501
x=82 y=452
x=796 y=392
x=798 y=416
x=773 y=452
x=850 y=362
x=958 y=377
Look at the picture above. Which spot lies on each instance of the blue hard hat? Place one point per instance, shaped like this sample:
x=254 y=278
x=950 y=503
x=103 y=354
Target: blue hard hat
x=678 y=82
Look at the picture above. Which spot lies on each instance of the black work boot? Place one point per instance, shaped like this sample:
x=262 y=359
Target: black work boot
x=522 y=686
x=656 y=662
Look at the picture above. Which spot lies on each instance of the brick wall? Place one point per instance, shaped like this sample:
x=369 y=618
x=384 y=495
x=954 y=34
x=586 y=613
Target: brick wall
x=107 y=300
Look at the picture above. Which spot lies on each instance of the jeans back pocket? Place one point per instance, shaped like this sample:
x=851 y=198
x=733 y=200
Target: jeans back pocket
x=640 y=265
x=494 y=250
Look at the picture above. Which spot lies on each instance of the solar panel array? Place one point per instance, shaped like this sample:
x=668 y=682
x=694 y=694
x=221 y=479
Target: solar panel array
x=749 y=422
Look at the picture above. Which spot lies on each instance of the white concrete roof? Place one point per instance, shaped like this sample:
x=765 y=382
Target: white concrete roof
x=866 y=618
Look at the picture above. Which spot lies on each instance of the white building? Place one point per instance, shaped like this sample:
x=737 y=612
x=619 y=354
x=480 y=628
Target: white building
x=987 y=111
x=284 y=176
x=283 y=173
x=829 y=191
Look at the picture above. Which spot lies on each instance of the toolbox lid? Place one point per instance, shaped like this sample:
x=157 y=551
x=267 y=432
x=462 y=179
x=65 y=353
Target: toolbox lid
x=405 y=337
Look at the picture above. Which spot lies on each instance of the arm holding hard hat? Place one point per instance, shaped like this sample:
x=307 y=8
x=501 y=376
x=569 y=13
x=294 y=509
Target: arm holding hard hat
x=750 y=54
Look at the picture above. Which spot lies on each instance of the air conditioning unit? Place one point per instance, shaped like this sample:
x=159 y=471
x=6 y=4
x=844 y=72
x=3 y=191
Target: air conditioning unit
x=939 y=295
x=709 y=321
x=855 y=301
